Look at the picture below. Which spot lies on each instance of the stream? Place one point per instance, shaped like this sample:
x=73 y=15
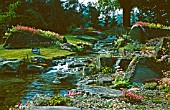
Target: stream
x=21 y=88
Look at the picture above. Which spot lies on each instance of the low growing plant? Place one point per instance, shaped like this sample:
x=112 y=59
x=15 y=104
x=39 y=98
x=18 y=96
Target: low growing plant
x=107 y=70
x=59 y=100
x=120 y=82
x=151 y=85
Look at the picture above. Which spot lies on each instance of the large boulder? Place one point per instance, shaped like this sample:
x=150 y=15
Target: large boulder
x=147 y=68
x=10 y=66
x=21 y=39
x=100 y=90
x=143 y=33
x=107 y=61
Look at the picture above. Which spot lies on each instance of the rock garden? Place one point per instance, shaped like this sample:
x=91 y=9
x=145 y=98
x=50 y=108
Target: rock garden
x=109 y=72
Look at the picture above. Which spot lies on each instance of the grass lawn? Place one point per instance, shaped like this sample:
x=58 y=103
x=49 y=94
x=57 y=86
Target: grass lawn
x=72 y=39
x=22 y=53
x=49 y=52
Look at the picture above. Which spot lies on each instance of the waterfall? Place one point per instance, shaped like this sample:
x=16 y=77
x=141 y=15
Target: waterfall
x=117 y=62
x=98 y=63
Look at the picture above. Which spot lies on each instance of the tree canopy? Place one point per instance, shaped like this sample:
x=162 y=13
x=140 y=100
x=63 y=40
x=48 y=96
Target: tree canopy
x=57 y=15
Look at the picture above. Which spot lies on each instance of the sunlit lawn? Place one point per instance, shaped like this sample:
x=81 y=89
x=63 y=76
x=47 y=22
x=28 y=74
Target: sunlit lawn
x=23 y=53
x=49 y=52
x=72 y=39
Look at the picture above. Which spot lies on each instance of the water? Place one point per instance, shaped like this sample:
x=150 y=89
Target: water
x=12 y=88
x=21 y=88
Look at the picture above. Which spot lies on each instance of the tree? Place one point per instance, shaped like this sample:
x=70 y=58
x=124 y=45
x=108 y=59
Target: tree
x=127 y=7
x=154 y=8
x=7 y=17
x=107 y=6
x=157 y=11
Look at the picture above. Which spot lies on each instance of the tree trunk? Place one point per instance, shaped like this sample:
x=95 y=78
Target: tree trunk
x=126 y=16
x=127 y=7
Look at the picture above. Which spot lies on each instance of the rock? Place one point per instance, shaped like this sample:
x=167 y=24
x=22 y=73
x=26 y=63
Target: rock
x=68 y=46
x=57 y=81
x=89 y=70
x=86 y=81
x=10 y=66
x=35 y=68
x=107 y=61
x=86 y=38
x=100 y=90
x=3 y=59
x=53 y=108
x=38 y=59
x=143 y=33
x=163 y=48
x=138 y=33
x=124 y=64
x=103 y=80
x=21 y=39
x=146 y=68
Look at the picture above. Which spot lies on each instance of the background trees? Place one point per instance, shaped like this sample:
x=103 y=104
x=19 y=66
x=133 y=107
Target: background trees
x=56 y=15
x=149 y=10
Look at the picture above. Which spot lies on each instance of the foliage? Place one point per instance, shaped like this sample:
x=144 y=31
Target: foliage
x=118 y=43
x=7 y=17
x=151 y=85
x=120 y=82
x=157 y=100
x=129 y=47
x=35 y=19
x=59 y=100
x=107 y=70
x=151 y=10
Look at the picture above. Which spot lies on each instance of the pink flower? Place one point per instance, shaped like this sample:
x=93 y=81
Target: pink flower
x=71 y=93
x=79 y=93
x=152 y=51
x=18 y=106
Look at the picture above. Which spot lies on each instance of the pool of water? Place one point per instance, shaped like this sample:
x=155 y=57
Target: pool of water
x=20 y=88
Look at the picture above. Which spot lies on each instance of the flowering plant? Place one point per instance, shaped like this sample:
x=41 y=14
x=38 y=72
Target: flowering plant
x=72 y=93
x=36 y=31
x=131 y=97
x=151 y=25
